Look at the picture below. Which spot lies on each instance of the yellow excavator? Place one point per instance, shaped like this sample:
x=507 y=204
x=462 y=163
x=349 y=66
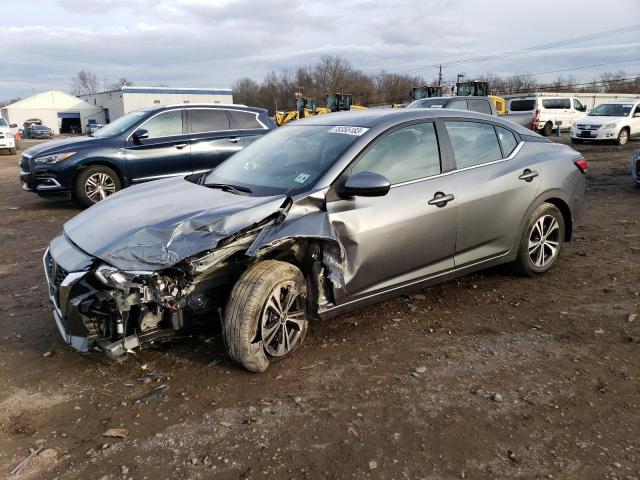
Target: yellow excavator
x=306 y=107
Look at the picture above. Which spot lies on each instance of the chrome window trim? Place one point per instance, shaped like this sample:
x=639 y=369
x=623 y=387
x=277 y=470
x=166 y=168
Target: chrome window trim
x=158 y=177
x=511 y=155
x=264 y=127
x=154 y=116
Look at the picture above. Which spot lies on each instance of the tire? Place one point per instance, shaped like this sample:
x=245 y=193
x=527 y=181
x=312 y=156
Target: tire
x=86 y=186
x=576 y=140
x=547 y=130
x=251 y=314
x=623 y=136
x=532 y=261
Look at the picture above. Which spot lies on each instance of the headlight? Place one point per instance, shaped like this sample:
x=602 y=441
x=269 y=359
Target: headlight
x=113 y=277
x=609 y=125
x=56 y=158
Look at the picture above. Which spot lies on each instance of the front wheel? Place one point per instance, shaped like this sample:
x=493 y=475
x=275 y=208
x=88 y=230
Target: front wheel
x=547 y=130
x=623 y=137
x=95 y=183
x=541 y=241
x=266 y=318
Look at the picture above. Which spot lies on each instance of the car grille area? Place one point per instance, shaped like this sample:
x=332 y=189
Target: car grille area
x=55 y=272
x=588 y=127
x=24 y=164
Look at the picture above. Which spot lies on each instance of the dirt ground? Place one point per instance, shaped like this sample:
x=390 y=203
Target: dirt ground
x=491 y=376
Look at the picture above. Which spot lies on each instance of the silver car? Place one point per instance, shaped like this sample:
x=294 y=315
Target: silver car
x=317 y=218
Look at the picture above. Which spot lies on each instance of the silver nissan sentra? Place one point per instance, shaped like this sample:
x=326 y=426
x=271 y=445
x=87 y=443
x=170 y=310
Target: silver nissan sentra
x=319 y=217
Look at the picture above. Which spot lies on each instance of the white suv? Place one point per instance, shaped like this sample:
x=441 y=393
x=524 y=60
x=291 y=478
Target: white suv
x=617 y=120
x=7 y=139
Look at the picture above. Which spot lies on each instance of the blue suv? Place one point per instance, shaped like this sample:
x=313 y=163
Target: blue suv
x=143 y=145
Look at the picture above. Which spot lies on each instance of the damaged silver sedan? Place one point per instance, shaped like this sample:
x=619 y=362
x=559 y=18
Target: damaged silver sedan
x=322 y=216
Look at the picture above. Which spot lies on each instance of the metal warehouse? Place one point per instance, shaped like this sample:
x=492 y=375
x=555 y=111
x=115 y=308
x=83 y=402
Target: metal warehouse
x=60 y=111
x=116 y=103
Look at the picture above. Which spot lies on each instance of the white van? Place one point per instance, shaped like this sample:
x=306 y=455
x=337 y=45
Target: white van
x=7 y=138
x=547 y=112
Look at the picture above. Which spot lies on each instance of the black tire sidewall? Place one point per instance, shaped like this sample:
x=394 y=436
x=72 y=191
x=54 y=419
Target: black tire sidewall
x=78 y=191
x=547 y=130
x=244 y=309
x=523 y=261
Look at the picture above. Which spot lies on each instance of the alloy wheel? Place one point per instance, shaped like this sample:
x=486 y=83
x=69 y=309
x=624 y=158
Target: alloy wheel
x=282 y=319
x=624 y=136
x=544 y=241
x=99 y=186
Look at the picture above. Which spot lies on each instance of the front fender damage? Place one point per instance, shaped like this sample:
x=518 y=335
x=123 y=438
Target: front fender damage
x=152 y=306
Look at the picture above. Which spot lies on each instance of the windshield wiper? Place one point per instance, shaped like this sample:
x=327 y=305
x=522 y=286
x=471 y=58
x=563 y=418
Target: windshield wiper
x=237 y=189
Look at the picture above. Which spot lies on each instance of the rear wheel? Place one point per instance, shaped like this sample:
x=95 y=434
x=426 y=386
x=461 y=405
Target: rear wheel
x=547 y=130
x=265 y=318
x=623 y=136
x=541 y=241
x=95 y=183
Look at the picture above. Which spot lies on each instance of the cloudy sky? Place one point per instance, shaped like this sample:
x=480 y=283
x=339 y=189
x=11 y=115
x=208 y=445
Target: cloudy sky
x=211 y=43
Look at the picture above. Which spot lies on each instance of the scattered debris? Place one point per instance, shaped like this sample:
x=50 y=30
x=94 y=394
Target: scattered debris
x=154 y=392
x=421 y=369
x=373 y=465
x=497 y=397
x=116 y=433
x=33 y=453
x=599 y=331
x=48 y=353
x=632 y=317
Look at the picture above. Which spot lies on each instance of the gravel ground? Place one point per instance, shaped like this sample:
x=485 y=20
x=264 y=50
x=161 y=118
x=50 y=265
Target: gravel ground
x=491 y=376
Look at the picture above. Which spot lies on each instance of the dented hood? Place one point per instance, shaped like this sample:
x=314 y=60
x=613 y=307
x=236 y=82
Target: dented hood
x=155 y=225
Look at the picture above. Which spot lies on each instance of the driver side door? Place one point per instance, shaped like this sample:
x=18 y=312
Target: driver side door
x=404 y=236
x=165 y=152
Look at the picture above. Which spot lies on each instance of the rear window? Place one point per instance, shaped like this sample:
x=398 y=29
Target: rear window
x=556 y=103
x=480 y=105
x=245 y=120
x=207 y=120
x=522 y=105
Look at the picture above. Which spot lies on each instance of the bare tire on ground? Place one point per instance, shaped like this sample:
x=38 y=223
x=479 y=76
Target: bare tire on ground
x=547 y=130
x=541 y=241
x=265 y=318
x=95 y=183
x=623 y=136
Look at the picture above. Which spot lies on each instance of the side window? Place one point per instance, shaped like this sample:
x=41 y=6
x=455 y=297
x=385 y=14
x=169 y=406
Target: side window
x=480 y=105
x=556 y=103
x=578 y=106
x=406 y=154
x=165 y=124
x=507 y=141
x=458 y=103
x=207 y=120
x=245 y=120
x=473 y=143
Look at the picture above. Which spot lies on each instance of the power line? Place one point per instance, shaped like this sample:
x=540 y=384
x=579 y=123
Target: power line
x=544 y=46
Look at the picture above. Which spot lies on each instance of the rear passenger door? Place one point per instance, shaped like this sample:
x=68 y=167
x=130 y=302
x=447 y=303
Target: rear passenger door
x=248 y=125
x=496 y=182
x=213 y=137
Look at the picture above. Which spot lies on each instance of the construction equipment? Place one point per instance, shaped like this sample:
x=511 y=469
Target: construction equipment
x=476 y=88
x=425 y=91
x=500 y=104
x=306 y=107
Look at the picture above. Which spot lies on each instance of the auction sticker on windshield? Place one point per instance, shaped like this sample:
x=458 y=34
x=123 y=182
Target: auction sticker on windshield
x=356 y=131
x=301 y=178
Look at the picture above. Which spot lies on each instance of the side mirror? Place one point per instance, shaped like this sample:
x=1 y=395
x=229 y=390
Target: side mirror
x=636 y=115
x=140 y=134
x=13 y=125
x=366 y=184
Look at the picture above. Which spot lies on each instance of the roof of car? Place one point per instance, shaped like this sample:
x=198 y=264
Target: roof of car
x=623 y=100
x=376 y=116
x=228 y=106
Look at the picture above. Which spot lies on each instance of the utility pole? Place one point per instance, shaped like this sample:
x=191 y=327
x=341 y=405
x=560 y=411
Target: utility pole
x=440 y=75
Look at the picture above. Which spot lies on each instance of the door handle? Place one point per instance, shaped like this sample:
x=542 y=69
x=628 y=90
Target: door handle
x=233 y=140
x=528 y=175
x=440 y=199
x=180 y=146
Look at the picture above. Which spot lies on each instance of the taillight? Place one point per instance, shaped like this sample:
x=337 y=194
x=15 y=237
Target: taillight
x=536 y=118
x=581 y=163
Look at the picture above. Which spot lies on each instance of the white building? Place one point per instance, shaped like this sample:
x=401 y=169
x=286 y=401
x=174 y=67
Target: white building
x=118 y=102
x=60 y=111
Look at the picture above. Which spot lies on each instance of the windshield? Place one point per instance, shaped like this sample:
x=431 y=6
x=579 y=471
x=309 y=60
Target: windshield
x=428 y=103
x=3 y=122
x=612 y=110
x=121 y=124
x=288 y=160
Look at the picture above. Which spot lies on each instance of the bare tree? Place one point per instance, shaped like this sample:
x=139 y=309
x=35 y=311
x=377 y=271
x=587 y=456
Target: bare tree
x=9 y=101
x=118 y=84
x=246 y=91
x=84 y=83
